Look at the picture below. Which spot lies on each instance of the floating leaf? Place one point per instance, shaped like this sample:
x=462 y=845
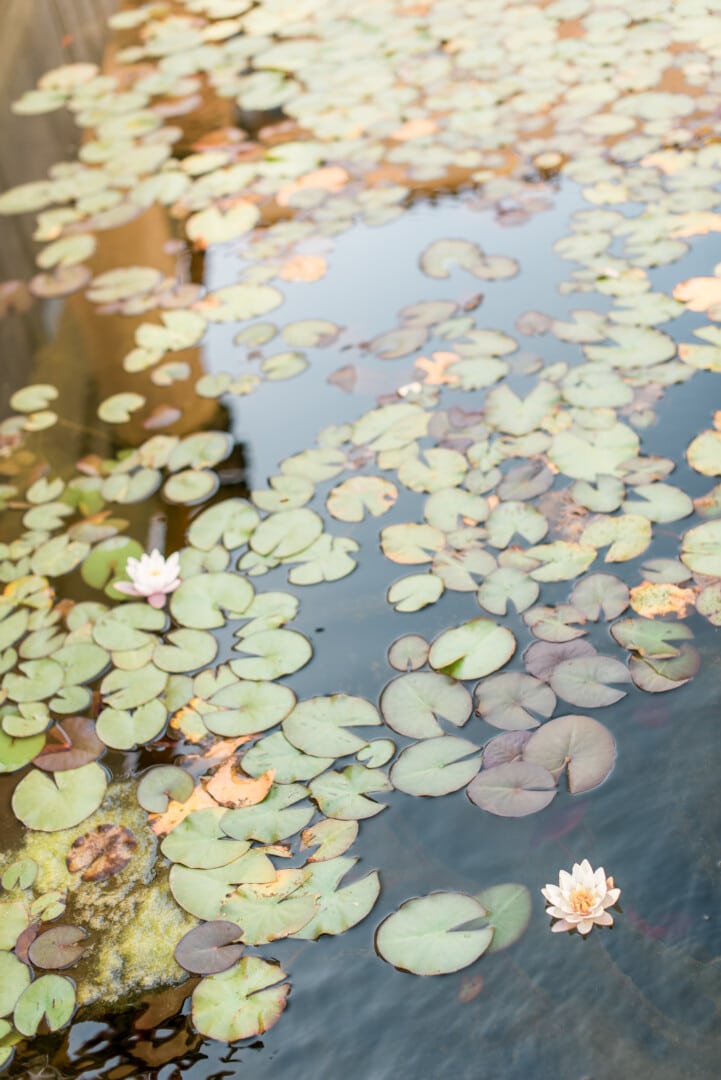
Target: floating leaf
x=51 y=999
x=338 y=909
x=14 y=979
x=286 y=533
x=504 y=585
x=472 y=650
x=320 y=725
x=434 y=766
x=272 y=820
x=440 y=257
x=555 y=623
x=562 y=560
x=343 y=794
x=240 y=1003
x=701 y=549
x=122 y=730
x=202 y=601
x=15 y=754
x=230 y=522
x=118 y=408
x=19 y=874
x=101 y=853
x=411 y=704
x=66 y=799
x=651 y=639
x=289 y=763
x=331 y=837
x=408 y=653
x=579 y=742
x=657 y=676
x=276 y=652
x=414 y=592
x=600 y=594
x=514 y=789
x=58 y=948
x=627 y=536
x=160 y=784
x=351 y=499
x=510 y=700
x=210 y=948
x=425 y=935
x=584 y=681
x=199 y=842
x=508 y=910
x=248 y=707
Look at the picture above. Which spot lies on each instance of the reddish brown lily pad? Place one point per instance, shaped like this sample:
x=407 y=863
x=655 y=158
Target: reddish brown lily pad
x=70 y=744
x=58 y=948
x=210 y=948
x=101 y=853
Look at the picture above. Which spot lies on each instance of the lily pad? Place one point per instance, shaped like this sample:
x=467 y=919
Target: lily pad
x=320 y=725
x=411 y=704
x=580 y=743
x=51 y=998
x=160 y=784
x=240 y=1003
x=101 y=853
x=344 y=794
x=513 y=701
x=61 y=801
x=58 y=948
x=436 y=766
x=514 y=789
x=425 y=935
x=587 y=681
x=472 y=650
x=508 y=910
x=210 y=948
x=408 y=653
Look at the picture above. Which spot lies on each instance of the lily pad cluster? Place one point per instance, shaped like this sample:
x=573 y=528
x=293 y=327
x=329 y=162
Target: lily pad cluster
x=507 y=485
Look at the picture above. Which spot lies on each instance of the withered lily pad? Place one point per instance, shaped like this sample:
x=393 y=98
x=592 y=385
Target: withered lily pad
x=76 y=745
x=101 y=853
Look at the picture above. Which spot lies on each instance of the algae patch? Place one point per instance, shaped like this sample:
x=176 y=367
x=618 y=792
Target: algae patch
x=131 y=917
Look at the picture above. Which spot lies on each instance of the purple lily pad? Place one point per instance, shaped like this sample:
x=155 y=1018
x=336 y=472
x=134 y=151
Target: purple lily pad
x=82 y=746
x=513 y=790
x=505 y=748
x=543 y=656
x=58 y=948
x=583 y=744
x=210 y=948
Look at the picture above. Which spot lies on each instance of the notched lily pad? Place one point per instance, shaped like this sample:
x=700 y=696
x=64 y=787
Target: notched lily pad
x=425 y=935
x=242 y=1002
x=58 y=948
x=210 y=948
x=580 y=743
x=513 y=789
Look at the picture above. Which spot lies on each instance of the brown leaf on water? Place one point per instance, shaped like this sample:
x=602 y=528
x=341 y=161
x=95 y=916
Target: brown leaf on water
x=303 y=268
x=699 y=294
x=435 y=369
x=163 y=1005
x=101 y=853
x=418 y=128
x=471 y=986
x=329 y=178
x=231 y=787
x=71 y=743
x=161 y=824
x=344 y=378
x=650 y=599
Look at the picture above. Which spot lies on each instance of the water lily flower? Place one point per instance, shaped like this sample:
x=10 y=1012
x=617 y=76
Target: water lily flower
x=581 y=898
x=151 y=576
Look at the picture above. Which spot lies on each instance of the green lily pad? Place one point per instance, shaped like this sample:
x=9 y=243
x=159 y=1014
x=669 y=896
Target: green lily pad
x=287 y=533
x=15 y=754
x=650 y=637
x=51 y=998
x=343 y=794
x=411 y=704
x=320 y=725
x=230 y=522
x=472 y=650
x=160 y=784
x=289 y=763
x=434 y=766
x=425 y=935
x=122 y=730
x=201 y=602
x=51 y=803
x=240 y=1003
x=273 y=653
x=408 y=653
x=188 y=650
x=248 y=707
x=414 y=592
x=271 y=820
x=199 y=842
x=701 y=549
x=14 y=979
x=338 y=909
x=508 y=909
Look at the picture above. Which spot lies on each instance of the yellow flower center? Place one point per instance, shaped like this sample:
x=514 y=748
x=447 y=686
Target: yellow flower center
x=582 y=901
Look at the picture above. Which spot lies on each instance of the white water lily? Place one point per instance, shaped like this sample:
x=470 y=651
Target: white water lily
x=581 y=898
x=151 y=576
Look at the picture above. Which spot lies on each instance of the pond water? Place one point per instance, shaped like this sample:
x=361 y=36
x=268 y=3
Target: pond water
x=637 y=999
